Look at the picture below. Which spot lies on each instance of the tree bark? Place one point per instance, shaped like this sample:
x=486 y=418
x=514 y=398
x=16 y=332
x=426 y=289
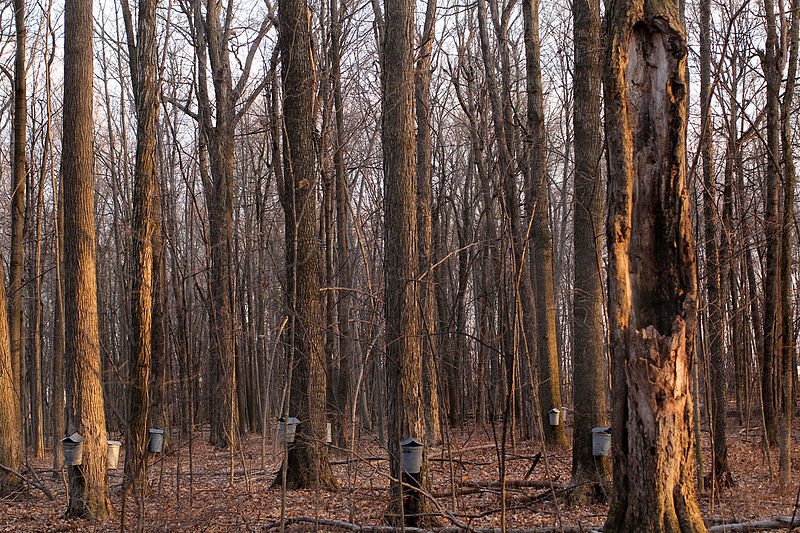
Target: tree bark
x=307 y=461
x=430 y=326
x=589 y=473
x=142 y=57
x=401 y=254
x=652 y=281
x=345 y=393
x=17 y=262
x=788 y=369
x=772 y=73
x=538 y=208
x=10 y=438
x=714 y=291
x=88 y=483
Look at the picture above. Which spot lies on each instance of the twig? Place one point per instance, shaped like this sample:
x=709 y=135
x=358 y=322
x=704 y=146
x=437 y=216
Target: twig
x=32 y=482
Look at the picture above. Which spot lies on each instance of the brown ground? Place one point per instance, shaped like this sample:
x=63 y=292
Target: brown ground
x=205 y=501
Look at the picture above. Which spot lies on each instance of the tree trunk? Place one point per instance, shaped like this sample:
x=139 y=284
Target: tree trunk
x=787 y=354
x=714 y=291
x=345 y=391
x=88 y=483
x=307 y=461
x=549 y=383
x=58 y=332
x=405 y=408
x=17 y=262
x=652 y=281
x=146 y=96
x=430 y=326
x=10 y=438
x=589 y=473
x=772 y=73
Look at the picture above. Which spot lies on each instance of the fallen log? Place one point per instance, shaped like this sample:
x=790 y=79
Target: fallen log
x=779 y=522
x=347 y=526
x=517 y=484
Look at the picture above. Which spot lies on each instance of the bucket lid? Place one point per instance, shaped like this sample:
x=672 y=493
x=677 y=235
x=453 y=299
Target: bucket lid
x=410 y=443
x=554 y=410
x=601 y=430
x=291 y=420
x=114 y=443
x=75 y=438
x=158 y=431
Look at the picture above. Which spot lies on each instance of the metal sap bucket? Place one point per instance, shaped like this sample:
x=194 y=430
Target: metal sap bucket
x=555 y=416
x=156 y=444
x=288 y=428
x=113 y=453
x=411 y=455
x=601 y=441
x=73 y=449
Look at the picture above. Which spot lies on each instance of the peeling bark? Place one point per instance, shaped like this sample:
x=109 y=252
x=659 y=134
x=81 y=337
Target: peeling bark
x=652 y=280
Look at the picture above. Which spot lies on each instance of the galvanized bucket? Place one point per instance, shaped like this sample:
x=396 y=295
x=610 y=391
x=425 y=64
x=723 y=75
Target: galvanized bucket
x=156 y=444
x=288 y=428
x=411 y=455
x=601 y=441
x=113 y=454
x=73 y=449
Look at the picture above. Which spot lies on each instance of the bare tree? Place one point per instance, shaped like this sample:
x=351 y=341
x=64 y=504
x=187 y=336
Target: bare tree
x=771 y=63
x=307 y=464
x=401 y=257
x=17 y=262
x=142 y=59
x=542 y=245
x=715 y=331
x=589 y=473
x=88 y=482
x=788 y=372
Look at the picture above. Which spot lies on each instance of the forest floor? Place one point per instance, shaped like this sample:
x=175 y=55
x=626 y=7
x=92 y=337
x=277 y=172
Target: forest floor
x=204 y=499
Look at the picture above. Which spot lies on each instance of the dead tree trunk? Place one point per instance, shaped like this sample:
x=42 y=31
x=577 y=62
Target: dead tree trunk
x=652 y=281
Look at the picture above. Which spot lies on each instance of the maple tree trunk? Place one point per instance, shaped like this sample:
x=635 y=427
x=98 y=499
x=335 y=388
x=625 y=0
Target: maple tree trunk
x=652 y=281
x=88 y=482
x=589 y=473
x=146 y=96
x=404 y=365
x=58 y=337
x=17 y=260
x=772 y=73
x=714 y=290
x=549 y=382
x=307 y=461
x=344 y=387
x=430 y=325
x=788 y=371
x=10 y=438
